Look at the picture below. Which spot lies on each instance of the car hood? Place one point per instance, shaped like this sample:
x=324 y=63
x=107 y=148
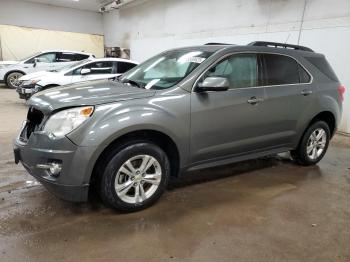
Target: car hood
x=36 y=75
x=88 y=93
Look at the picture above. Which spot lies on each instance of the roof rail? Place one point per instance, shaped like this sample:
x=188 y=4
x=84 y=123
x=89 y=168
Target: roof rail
x=216 y=44
x=280 y=45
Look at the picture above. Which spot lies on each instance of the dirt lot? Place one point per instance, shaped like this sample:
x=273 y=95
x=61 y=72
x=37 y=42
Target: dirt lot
x=261 y=210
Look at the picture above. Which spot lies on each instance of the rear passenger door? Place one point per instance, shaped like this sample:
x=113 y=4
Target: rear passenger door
x=67 y=58
x=288 y=95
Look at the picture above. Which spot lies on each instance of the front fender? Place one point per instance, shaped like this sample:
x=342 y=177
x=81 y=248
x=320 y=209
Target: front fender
x=111 y=121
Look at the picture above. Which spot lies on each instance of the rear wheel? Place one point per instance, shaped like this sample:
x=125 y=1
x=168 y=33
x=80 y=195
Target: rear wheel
x=313 y=145
x=135 y=177
x=12 y=79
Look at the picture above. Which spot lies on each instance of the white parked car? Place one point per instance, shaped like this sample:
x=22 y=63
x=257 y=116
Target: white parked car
x=87 y=70
x=11 y=71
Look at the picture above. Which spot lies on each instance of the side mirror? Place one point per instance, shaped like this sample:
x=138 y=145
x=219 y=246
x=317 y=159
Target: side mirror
x=85 y=71
x=213 y=84
x=36 y=60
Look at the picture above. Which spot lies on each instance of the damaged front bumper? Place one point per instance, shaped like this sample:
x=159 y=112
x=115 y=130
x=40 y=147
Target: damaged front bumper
x=40 y=153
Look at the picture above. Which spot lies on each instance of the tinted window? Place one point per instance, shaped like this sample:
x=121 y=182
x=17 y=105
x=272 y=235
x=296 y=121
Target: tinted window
x=322 y=65
x=280 y=70
x=97 y=68
x=303 y=75
x=79 y=57
x=122 y=67
x=240 y=70
x=43 y=58
x=69 y=57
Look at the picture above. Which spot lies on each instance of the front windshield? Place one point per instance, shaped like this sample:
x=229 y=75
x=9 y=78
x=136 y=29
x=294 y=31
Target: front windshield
x=165 y=70
x=71 y=66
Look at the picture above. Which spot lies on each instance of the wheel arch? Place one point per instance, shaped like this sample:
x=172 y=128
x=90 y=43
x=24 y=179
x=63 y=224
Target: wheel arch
x=162 y=140
x=326 y=116
x=13 y=71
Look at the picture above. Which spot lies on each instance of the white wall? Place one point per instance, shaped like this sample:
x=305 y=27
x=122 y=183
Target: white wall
x=162 y=24
x=27 y=14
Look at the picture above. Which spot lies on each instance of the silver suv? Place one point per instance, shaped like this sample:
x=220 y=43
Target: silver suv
x=184 y=109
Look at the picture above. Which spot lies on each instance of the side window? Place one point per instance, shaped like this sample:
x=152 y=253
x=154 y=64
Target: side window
x=43 y=58
x=65 y=57
x=280 y=70
x=69 y=57
x=97 y=68
x=303 y=75
x=76 y=71
x=122 y=67
x=240 y=70
x=79 y=57
x=321 y=64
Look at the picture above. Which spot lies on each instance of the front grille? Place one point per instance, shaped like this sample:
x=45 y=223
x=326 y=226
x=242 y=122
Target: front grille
x=34 y=119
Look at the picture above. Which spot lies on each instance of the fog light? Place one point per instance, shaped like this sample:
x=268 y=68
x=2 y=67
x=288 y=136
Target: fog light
x=54 y=168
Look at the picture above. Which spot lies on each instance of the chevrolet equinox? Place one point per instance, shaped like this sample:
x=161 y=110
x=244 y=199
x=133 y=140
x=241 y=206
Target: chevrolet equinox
x=184 y=109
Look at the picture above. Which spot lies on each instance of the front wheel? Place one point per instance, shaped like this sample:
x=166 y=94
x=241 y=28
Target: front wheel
x=135 y=177
x=12 y=79
x=313 y=145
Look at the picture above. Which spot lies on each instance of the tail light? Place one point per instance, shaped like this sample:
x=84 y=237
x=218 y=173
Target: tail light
x=341 y=90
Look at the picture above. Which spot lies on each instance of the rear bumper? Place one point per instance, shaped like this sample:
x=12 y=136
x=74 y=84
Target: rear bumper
x=70 y=184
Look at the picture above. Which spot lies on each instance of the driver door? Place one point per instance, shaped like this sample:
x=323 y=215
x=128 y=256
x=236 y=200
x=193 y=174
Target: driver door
x=42 y=62
x=227 y=123
x=98 y=70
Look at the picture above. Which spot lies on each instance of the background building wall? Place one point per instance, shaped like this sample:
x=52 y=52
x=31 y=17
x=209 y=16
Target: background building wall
x=33 y=15
x=20 y=42
x=157 y=25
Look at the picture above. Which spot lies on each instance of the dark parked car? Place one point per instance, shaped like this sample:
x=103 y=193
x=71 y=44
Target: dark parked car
x=184 y=109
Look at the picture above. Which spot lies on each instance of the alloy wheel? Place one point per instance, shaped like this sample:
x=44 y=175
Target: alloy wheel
x=138 y=179
x=316 y=143
x=13 y=79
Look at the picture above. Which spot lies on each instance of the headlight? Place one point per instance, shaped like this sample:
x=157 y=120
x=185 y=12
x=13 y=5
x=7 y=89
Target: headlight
x=67 y=120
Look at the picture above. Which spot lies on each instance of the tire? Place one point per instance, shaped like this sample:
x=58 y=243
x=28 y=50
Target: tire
x=313 y=145
x=12 y=79
x=130 y=190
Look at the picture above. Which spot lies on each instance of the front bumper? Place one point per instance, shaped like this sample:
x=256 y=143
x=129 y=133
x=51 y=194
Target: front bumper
x=25 y=92
x=70 y=184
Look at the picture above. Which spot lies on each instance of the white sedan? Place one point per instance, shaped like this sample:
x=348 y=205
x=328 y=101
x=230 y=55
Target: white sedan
x=87 y=70
x=11 y=71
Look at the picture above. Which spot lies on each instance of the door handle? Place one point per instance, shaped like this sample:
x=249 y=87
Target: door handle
x=253 y=100
x=306 y=92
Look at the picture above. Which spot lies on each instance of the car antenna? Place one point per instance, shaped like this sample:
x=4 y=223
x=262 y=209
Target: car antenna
x=287 y=38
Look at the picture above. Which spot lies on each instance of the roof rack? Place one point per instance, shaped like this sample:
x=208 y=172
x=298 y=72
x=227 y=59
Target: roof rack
x=280 y=45
x=216 y=44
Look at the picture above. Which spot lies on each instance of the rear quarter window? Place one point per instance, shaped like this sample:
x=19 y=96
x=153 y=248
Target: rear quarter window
x=303 y=75
x=322 y=65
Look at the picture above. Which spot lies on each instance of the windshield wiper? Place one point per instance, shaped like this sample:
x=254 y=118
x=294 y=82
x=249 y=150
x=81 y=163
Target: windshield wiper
x=132 y=82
